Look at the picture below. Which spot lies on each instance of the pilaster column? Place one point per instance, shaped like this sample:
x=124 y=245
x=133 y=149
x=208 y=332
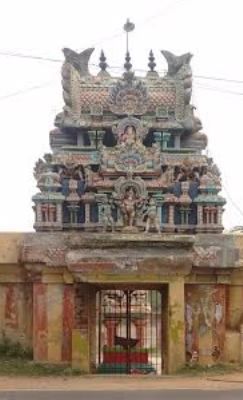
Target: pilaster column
x=81 y=333
x=100 y=135
x=38 y=213
x=171 y=214
x=87 y=213
x=59 y=213
x=159 y=214
x=111 y=331
x=241 y=343
x=92 y=137
x=219 y=215
x=54 y=322
x=207 y=215
x=40 y=328
x=52 y=212
x=177 y=141
x=80 y=139
x=44 y=212
x=176 y=325
x=199 y=214
x=140 y=325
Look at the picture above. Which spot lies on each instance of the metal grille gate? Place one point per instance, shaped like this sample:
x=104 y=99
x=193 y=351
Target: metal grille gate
x=128 y=331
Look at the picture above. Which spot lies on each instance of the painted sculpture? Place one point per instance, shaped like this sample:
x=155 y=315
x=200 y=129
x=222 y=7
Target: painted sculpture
x=127 y=154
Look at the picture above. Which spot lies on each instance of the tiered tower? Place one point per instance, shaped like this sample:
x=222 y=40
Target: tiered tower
x=127 y=153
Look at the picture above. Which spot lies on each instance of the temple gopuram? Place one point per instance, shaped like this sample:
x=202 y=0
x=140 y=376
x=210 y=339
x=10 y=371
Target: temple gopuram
x=129 y=270
x=127 y=154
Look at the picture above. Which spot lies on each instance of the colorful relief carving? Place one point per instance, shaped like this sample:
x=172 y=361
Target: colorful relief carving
x=205 y=322
x=112 y=128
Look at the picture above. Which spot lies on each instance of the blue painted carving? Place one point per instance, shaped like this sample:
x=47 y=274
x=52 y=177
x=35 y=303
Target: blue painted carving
x=81 y=214
x=177 y=215
x=94 y=213
x=65 y=186
x=193 y=215
x=165 y=214
x=193 y=190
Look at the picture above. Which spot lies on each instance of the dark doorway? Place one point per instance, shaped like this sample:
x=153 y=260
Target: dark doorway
x=129 y=331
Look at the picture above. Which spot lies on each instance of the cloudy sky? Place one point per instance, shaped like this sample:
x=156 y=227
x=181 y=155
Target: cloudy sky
x=30 y=89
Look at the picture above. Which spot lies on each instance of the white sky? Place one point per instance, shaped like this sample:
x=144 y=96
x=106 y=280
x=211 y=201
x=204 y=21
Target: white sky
x=210 y=29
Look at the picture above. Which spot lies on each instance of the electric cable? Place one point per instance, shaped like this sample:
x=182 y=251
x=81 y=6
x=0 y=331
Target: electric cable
x=23 y=91
x=40 y=58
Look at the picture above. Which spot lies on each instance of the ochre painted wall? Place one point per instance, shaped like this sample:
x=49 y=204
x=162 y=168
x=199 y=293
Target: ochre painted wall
x=41 y=307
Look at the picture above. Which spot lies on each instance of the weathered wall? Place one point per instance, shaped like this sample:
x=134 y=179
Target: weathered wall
x=16 y=312
x=15 y=292
x=53 y=313
x=41 y=305
x=205 y=322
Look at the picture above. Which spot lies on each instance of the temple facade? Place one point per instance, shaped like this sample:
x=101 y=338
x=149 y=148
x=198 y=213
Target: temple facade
x=128 y=270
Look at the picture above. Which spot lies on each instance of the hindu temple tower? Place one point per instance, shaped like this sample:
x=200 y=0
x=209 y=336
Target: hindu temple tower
x=128 y=270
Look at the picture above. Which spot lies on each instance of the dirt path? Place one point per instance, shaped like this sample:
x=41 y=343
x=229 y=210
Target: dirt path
x=232 y=381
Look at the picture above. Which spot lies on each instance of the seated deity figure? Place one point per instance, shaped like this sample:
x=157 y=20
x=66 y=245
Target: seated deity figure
x=129 y=135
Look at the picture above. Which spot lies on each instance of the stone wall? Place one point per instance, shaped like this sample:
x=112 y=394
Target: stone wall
x=48 y=284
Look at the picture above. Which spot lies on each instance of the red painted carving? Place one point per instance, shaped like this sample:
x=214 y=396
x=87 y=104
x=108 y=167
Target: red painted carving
x=11 y=306
x=40 y=327
x=68 y=318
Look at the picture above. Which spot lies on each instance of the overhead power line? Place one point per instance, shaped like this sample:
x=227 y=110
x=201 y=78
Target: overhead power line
x=40 y=58
x=159 y=14
x=21 y=55
x=26 y=90
x=220 y=90
x=214 y=78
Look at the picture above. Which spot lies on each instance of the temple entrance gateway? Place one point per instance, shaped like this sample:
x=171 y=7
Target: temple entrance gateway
x=129 y=331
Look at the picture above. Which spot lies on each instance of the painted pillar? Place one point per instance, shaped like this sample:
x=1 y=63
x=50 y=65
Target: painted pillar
x=59 y=213
x=177 y=141
x=87 y=213
x=38 y=213
x=40 y=329
x=219 y=215
x=81 y=332
x=68 y=321
x=80 y=139
x=54 y=322
x=140 y=325
x=111 y=331
x=52 y=212
x=199 y=215
x=159 y=214
x=241 y=343
x=176 y=325
x=207 y=216
x=11 y=307
x=171 y=214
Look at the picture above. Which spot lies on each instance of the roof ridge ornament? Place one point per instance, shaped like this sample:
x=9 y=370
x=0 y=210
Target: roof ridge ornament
x=128 y=74
x=79 y=61
x=128 y=64
x=103 y=65
x=175 y=63
x=128 y=27
x=152 y=64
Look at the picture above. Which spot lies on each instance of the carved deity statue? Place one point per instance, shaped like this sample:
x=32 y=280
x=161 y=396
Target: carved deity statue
x=152 y=216
x=128 y=207
x=129 y=135
x=131 y=207
x=106 y=215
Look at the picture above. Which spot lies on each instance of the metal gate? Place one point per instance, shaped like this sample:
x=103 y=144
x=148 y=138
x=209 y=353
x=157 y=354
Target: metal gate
x=128 y=331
